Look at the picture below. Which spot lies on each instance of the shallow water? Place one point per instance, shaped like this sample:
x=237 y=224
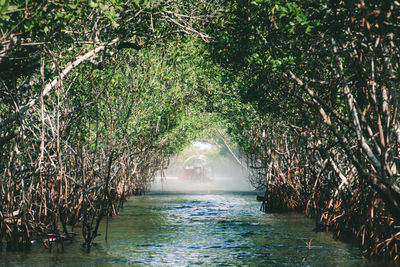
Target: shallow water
x=206 y=229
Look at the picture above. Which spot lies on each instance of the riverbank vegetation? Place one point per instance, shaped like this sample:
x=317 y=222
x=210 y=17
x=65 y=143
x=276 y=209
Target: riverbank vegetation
x=322 y=129
x=94 y=98
x=97 y=95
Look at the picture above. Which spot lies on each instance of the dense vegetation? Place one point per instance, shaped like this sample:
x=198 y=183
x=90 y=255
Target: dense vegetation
x=319 y=82
x=97 y=95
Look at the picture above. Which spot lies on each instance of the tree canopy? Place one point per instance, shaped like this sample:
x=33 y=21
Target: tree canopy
x=95 y=96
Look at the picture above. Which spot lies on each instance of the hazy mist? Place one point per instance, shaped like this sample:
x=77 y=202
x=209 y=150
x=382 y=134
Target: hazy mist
x=222 y=173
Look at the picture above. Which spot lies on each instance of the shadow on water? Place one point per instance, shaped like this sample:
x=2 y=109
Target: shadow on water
x=200 y=228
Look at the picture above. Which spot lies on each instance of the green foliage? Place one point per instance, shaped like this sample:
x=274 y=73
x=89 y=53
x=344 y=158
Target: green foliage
x=273 y=72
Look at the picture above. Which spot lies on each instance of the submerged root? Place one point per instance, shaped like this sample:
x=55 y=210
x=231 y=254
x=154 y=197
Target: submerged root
x=356 y=214
x=361 y=216
x=283 y=198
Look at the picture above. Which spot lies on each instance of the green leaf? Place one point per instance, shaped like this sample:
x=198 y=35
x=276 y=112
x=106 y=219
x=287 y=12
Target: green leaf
x=11 y=8
x=93 y=4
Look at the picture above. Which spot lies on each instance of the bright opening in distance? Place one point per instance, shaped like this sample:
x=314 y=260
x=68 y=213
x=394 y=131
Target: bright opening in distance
x=203 y=166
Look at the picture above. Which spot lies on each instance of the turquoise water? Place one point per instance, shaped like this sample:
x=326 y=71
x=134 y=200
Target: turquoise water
x=199 y=229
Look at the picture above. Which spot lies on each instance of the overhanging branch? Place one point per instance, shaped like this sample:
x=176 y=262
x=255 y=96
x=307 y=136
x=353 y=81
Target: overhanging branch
x=70 y=66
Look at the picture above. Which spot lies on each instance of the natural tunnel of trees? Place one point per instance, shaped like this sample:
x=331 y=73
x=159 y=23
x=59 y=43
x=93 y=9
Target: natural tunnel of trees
x=96 y=95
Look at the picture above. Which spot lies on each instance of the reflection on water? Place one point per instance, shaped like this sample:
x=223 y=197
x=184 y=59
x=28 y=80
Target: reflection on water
x=210 y=229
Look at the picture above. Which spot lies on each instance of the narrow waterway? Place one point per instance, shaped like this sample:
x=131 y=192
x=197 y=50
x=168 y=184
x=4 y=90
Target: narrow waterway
x=206 y=229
